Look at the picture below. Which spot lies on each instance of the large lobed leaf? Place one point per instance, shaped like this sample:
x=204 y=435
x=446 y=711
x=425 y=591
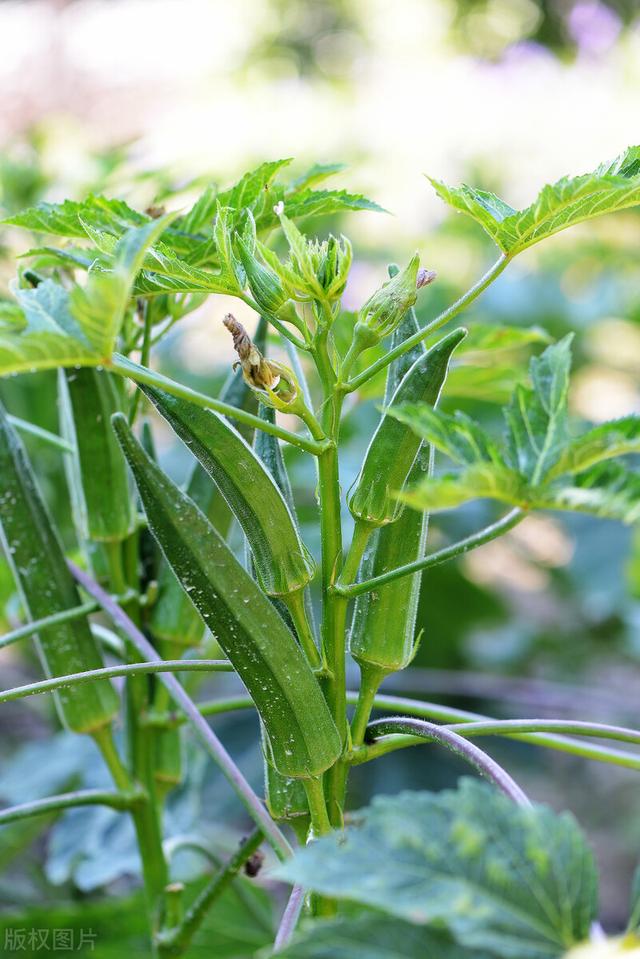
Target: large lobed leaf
x=538 y=466
x=518 y=883
x=610 y=187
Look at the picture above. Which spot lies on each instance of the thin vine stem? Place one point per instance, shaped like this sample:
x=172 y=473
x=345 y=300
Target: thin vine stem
x=290 y=918
x=81 y=797
x=460 y=304
x=140 y=374
x=112 y=672
x=499 y=528
x=430 y=732
x=214 y=747
x=21 y=632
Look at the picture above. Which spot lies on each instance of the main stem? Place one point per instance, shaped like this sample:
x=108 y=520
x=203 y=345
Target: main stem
x=334 y=606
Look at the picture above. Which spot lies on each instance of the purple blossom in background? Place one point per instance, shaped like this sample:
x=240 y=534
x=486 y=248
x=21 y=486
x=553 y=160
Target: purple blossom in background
x=594 y=27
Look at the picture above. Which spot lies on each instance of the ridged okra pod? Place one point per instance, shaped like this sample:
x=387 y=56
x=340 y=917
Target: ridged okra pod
x=97 y=471
x=283 y=563
x=46 y=586
x=382 y=633
x=286 y=798
x=392 y=451
x=302 y=739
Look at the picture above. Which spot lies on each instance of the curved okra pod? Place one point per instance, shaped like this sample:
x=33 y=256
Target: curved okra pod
x=46 y=586
x=303 y=739
x=382 y=634
x=392 y=452
x=283 y=563
x=97 y=470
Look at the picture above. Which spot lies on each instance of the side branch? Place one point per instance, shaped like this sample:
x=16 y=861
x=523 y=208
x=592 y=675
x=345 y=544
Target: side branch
x=441 y=556
x=81 y=797
x=140 y=374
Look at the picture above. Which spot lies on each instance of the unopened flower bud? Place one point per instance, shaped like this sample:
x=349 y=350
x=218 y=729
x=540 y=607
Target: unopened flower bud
x=265 y=285
x=425 y=277
x=388 y=305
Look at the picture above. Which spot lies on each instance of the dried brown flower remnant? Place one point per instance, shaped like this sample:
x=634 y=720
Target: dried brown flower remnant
x=155 y=212
x=257 y=371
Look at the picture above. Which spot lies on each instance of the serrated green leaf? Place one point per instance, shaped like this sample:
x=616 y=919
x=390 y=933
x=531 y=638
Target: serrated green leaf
x=327 y=202
x=610 y=187
x=517 y=882
x=607 y=490
x=100 y=305
x=251 y=191
x=615 y=438
x=66 y=219
x=484 y=340
x=491 y=383
x=202 y=212
x=77 y=327
x=317 y=173
x=480 y=481
x=374 y=937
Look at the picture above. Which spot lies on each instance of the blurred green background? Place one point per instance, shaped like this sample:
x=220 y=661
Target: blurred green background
x=149 y=98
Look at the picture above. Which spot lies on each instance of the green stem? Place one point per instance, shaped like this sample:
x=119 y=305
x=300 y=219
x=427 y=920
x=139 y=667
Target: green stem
x=54 y=620
x=175 y=942
x=117 y=575
x=317 y=806
x=111 y=672
x=81 y=797
x=370 y=679
x=144 y=360
x=52 y=439
x=140 y=374
x=147 y=826
x=295 y=604
x=499 y=528
x=430 y=328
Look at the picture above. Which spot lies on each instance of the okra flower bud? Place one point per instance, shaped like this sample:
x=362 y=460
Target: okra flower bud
x=265 y=285
x=382 y=312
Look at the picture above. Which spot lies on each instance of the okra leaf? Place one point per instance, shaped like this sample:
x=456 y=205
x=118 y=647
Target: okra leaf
x=536 y=419
x=303 y=738
x=66 y=219
x=484 y=340
x=539 y=465
x=480 y=481
x=458 y=436
x=376 y=937
x=326 y=202
x=516 y=882
x=317 y=173
x=77 y=327
x=604 y=442
x=612 y=186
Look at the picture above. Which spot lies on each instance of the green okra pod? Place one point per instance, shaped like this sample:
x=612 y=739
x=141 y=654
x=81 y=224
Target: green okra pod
x=174 y=618
x=302 y=738
x=88 y=399
x=283 y=563
x=382 y=633
x=46 y=586
x=392 y=452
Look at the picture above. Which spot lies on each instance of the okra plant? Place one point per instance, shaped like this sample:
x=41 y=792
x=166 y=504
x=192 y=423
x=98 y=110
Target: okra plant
x=479 y=871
